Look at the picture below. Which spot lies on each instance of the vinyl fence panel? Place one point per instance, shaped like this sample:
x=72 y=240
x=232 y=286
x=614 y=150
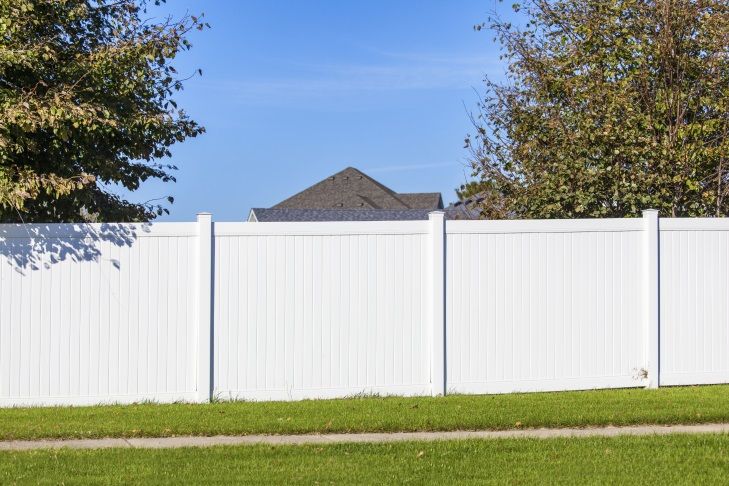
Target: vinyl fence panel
x=694 y=301
x=537 y=306
x=97 y=313
x=327 y=310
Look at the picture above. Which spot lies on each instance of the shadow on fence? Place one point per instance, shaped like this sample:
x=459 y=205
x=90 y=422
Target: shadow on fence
x=35 y=246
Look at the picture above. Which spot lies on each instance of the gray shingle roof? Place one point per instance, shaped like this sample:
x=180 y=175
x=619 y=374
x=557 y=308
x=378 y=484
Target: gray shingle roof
x=353 y=189
x=422 y=200
x=469 y=208
x=272 y=215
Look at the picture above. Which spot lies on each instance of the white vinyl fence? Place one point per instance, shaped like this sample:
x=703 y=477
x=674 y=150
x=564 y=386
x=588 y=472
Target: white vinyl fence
x=104 y=313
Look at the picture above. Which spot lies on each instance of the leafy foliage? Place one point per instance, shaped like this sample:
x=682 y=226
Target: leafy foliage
x=611 y=107
x=86 y=103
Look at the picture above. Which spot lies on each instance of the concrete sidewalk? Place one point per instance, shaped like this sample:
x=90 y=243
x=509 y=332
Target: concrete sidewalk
x=188 y=441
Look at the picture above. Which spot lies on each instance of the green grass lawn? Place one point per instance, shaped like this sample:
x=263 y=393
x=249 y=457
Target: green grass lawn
x=684 y=405
x=679 y=459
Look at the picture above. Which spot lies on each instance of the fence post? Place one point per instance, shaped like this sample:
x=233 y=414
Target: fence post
x=651 y=269
x=436 y=221
x=205 y=321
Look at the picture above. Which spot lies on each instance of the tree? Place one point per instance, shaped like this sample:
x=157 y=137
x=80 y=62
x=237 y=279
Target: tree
x=86 y=102
x=610 y=107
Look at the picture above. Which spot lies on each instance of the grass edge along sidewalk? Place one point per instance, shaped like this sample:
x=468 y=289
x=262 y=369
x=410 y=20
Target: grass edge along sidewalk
x=664 y=406
x=357 y=438
x=675 y=459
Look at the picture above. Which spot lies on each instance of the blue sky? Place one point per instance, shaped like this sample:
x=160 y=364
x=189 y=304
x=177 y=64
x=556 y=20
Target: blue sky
x=294 y=91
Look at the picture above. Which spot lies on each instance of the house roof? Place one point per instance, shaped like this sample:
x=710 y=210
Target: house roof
x=272 y=215
x=355 y=190
x=469 y=208
x=422 y=200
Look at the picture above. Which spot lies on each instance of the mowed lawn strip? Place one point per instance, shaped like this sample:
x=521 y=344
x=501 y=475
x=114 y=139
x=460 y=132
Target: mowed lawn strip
x=680 y=459
x=676 y=405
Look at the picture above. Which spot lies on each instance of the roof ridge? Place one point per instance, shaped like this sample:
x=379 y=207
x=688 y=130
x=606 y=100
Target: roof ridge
x=369 y=201
x=381 y=186
x=389 y=191
x=352 y=187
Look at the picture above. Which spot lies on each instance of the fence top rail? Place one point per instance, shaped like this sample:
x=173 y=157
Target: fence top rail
x=99 y=231
x=322 y=228
x=694 y=224
x=544 y=226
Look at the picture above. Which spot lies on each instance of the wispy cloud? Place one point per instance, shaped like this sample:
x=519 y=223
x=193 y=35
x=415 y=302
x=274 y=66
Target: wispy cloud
x=394 y=72
x=479 y=60
x=405 y=168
